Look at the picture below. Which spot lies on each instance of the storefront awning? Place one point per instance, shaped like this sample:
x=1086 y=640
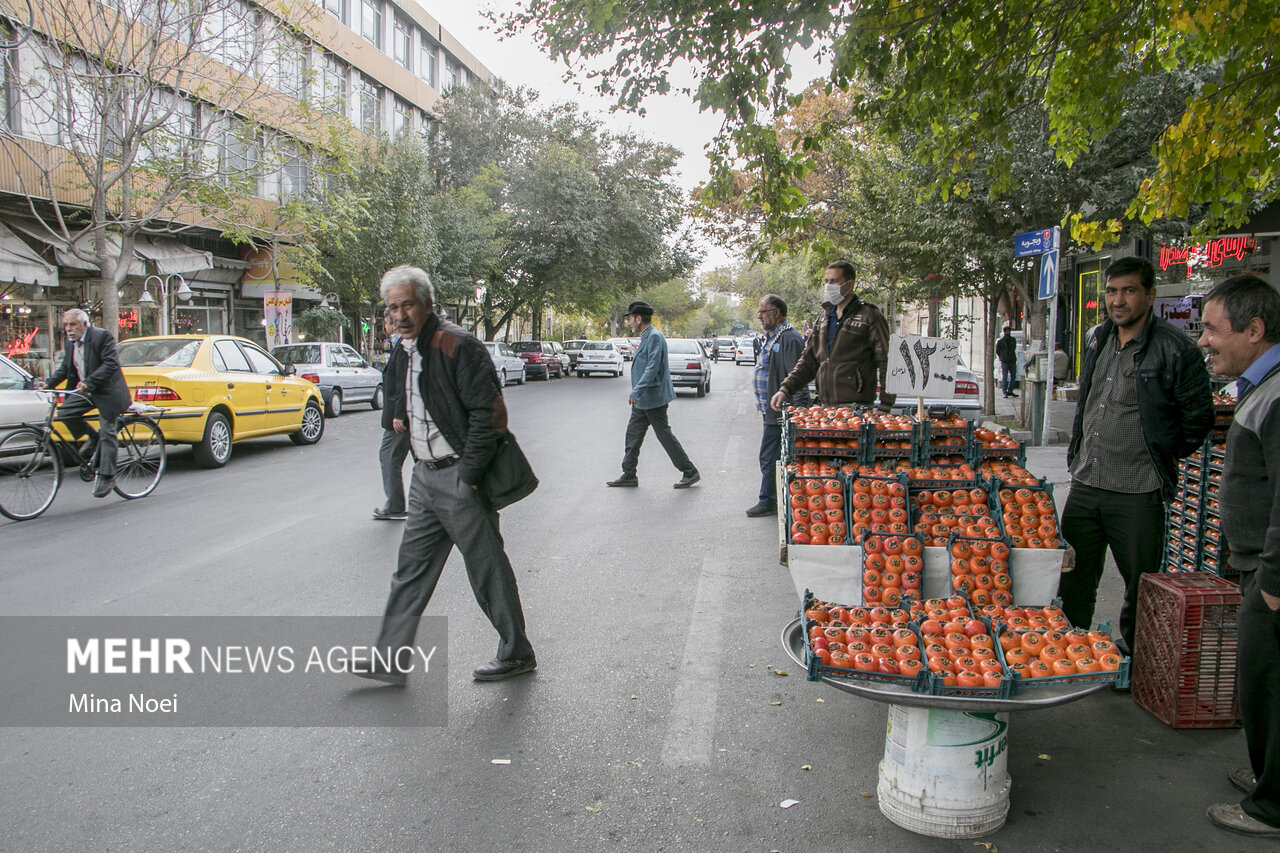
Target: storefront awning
x=20 y=263
x=172 y=256
x=66 y=258
x=225 y=271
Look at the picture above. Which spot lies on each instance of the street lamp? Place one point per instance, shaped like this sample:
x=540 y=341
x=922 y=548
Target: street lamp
x=164 y=285
x=330 y=300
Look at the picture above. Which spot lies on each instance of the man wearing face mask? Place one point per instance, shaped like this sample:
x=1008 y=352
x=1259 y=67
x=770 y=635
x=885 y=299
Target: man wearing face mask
x=848 y=350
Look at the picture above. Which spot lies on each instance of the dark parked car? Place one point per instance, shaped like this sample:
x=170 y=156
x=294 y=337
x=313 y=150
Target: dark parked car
x=540 y=358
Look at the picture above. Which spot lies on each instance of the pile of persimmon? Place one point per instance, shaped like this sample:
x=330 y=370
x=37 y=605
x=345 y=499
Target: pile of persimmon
x=941 y=512
x=1007 y=472
x=980 y=568
x=877 y=506
x=835 y=418
x=1030 y=520
x=958 y=647
x=1017 y=617
x=892 y=567
x=885 y=425
x=992 y=440
x=1055 y=654
x=812 y=466
x=817 y=511
x=952 y=468
x=875 y=640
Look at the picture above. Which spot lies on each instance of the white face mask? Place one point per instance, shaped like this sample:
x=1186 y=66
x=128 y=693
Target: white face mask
x=832 y=293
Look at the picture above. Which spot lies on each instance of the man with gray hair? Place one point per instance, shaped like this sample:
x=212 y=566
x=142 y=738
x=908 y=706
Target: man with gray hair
x=90 y=365
x=1241 y=322
x=457 y=421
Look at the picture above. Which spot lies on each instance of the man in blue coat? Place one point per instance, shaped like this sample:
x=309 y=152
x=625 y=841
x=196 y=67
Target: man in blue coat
x=651 y=391
x=778 y=356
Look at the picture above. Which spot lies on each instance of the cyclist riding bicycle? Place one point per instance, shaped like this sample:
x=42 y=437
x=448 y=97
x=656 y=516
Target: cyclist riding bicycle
x=90 y=364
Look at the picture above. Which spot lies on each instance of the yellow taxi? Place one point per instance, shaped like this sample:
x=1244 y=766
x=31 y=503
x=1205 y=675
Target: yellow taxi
x=219 y=390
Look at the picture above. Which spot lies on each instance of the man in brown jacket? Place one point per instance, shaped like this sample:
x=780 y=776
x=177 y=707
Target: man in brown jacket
x=847 y=351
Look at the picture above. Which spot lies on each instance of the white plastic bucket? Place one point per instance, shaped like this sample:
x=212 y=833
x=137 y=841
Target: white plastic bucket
x=945 y=773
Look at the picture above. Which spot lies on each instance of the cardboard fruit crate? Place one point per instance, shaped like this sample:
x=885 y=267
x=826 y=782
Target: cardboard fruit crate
x=1184 y=669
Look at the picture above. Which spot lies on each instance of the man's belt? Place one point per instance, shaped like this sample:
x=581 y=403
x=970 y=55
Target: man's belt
x=439 y=464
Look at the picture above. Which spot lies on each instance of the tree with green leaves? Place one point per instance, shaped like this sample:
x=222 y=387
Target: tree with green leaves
x=953 y=75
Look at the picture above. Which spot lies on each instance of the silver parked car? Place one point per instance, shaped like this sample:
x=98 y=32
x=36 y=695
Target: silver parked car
x=573 y=349
x=510 y=366
x=342 y=373
x=625 y=347
x=690 y=365
x=599 y=357
x=20 y=403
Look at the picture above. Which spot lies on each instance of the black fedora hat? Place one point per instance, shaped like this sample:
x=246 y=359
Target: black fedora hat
x=644 y=309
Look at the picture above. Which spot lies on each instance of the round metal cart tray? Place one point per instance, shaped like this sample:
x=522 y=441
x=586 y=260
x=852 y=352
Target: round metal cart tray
x=1040 y=697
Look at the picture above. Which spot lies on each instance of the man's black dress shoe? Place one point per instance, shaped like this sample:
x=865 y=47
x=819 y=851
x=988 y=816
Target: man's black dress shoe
x=496 y=670
x=687 y=480
x=624 y=480
x=763 y=508
x=365 y=668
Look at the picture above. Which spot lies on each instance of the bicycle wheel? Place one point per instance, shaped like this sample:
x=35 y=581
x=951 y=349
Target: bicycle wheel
x=140 y=458
x=30 y=473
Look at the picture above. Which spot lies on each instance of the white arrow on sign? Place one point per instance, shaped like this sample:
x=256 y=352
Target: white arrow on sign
x=1049 y=275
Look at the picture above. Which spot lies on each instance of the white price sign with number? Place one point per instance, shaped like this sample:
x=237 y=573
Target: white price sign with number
x=922 y=367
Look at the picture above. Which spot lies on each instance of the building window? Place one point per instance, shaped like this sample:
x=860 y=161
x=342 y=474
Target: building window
x=338 y=8
x=427 y=62
x=333 y=96
x=369 y=106
x=371 y=21
x=287 y=63
x=403 y=43
x=401 y=119
x=450 y=76
x=231 y=34
x=8 y=78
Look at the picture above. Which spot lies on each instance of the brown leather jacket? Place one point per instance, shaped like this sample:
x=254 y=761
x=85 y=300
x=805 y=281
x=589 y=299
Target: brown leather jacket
x=849 y=373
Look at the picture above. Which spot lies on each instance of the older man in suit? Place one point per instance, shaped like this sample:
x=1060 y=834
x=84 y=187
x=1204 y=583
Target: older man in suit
x=90 y=365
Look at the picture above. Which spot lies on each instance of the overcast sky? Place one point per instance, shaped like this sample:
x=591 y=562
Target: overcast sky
x=672 y=119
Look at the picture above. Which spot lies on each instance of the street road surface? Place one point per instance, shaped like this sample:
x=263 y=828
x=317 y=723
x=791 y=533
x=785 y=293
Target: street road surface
x=664 y=714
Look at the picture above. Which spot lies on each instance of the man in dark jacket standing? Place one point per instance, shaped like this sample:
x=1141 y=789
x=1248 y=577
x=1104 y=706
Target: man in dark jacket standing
x=395 y=431
x=90 y=364
x=456 y=419
x=847 y=352
x=1144 y=404
x=1007 y=352
x=1242 y=335
x=778 y=356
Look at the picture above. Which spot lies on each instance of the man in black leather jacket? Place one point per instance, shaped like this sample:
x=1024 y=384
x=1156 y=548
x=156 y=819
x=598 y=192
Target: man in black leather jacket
x=1144 y=403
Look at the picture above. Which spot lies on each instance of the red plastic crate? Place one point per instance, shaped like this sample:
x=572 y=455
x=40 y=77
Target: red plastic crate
x=1184 y=666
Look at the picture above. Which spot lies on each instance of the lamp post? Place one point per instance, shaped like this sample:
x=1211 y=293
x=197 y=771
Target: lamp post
x=164 y=285
x=330 y=300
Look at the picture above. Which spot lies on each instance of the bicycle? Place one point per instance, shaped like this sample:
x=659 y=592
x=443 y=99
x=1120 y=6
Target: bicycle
x=31 y=459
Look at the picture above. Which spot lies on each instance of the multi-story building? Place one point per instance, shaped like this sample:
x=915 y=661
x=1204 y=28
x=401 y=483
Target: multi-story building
x=375 y=67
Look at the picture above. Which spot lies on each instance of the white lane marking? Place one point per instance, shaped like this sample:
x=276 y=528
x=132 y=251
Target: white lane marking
x=693 y=714
x=732 y=453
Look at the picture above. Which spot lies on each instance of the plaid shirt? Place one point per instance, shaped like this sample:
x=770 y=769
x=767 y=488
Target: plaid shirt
x=760 y=380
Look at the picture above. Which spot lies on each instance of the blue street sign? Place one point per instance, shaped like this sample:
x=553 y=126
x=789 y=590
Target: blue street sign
x=1034 y=242
x=1049 y=275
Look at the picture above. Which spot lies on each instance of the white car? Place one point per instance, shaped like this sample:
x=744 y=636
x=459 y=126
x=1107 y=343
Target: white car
x=965 y=400
x=745 y=351
x=19 y=402
x=342 y=373
x=689 y=364
x=510 y=366
x=599 y=357
x=624 y=346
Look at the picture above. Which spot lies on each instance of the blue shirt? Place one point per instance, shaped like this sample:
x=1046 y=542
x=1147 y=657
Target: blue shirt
x=1261 y=366
x=651 y=385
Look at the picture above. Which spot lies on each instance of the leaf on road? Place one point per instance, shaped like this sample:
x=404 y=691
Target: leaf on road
x=786 y=804
x=775 y=703
x=594 y=809
x=1044 y=757
x=780 y=672
x=499 y=760
x=866 y=793
x=820 y=701
x=991 y=848
x=634 y=696
x=806 y=766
